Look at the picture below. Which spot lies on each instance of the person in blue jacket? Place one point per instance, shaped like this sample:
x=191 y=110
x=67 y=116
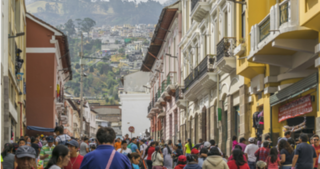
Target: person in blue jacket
x=105 y=154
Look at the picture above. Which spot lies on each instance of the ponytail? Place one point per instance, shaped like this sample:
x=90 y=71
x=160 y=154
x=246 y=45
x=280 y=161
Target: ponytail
x=190 y=144
x=7 y=148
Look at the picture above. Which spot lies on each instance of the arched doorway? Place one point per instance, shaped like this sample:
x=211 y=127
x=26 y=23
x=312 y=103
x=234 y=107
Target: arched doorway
x=196 y=128
x=204 y=124
x=190 y=128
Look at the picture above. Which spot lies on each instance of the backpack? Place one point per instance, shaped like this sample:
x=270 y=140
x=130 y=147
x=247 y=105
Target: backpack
x=129 y=146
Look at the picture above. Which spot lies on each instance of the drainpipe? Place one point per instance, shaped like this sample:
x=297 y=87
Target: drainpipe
x=218 y=96
x=21 y=130
x=271 y=132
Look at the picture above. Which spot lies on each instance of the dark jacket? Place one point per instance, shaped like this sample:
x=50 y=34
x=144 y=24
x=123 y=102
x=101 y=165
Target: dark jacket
x=192 y=165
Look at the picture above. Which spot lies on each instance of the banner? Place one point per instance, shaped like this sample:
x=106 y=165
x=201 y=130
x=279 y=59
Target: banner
x=295 y=108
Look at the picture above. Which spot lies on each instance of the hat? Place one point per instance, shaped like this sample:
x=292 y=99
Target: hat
x=26 y=151
x=261 y=164
x=182 y=158
x=207 y=144
x=73 y=143
x=194 y=151
x=41 y=135
x=251 y=139
x=50 y=139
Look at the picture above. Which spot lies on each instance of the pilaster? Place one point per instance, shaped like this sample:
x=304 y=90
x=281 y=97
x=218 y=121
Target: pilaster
x=231 y=125
x=244 y=113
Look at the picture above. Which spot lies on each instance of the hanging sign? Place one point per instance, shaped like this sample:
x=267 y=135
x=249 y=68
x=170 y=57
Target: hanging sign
x=19 y=77
x=295 y=108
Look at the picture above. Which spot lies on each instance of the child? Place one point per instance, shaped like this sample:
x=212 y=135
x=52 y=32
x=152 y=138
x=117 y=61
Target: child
x=273 y=160
x=261 y=165
x=234 y=142
x=192 y=162
x=135 y=160
x=182 y=161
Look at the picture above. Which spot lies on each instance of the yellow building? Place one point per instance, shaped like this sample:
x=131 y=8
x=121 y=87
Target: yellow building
x=277 y=51
x=13 y=57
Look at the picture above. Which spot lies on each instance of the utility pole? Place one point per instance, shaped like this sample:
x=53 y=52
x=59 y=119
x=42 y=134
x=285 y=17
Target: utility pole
x=81 y=87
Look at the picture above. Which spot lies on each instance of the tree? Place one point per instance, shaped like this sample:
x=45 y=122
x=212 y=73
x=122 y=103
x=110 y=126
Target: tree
x=87 y=24
x=91 y=69
x=69 y=27
x=107 y=99
x=121 y=50
x=112 y=101
x=77 y=66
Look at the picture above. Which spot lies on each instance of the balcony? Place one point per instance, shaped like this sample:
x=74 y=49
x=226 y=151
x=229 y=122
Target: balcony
x=199 y=10
x=180 y=101
x=171 y=83
x=279 y=34
x=200 y=79
x=225 y=58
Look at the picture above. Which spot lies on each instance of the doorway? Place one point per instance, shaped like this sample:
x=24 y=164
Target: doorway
x=204 y=124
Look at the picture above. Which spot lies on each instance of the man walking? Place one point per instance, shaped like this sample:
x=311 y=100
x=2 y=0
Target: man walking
x=75 y=158
x=46 y=151
x=304 y=155
x=316 y=147
x=263 y=152
x=84 y=147
x=243 y=143
x=25 y=156
x=134 y=147
x=251 y=148
x=105 y=156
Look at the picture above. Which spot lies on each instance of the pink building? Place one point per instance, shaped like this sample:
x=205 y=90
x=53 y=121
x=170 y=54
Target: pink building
x=163 y=61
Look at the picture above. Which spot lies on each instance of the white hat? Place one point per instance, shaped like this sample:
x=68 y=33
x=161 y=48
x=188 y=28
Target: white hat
x=251 y=140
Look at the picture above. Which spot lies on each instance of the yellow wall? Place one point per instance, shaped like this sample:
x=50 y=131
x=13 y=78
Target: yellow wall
x=310 y=14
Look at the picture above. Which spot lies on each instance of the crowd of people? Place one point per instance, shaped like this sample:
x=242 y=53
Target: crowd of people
x=108 y=152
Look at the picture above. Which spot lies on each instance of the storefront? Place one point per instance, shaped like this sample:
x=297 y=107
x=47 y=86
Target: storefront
x=295 y=108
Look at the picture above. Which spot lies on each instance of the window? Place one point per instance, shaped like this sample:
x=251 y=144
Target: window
x=243 y=21
x=17 y=16
x=226 y=24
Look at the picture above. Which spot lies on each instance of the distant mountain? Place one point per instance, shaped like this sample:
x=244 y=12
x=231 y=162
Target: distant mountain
x=112 y=12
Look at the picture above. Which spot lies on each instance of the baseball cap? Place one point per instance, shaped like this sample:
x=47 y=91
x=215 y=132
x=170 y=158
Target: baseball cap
x=50 y=139
x=251 y=139
x=206 y=144
x=194 y=151
x=182 y=158
x=73 y=143
x=26 y=151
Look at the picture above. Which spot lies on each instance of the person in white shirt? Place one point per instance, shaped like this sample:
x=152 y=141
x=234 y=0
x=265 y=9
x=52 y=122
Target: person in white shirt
x=249 y=152
x=124 y=150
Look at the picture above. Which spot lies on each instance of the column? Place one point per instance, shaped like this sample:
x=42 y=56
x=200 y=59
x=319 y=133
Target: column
x=244 y=112
x=231 y=124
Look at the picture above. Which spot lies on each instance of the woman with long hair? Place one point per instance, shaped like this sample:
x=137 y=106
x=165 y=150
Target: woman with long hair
x=188 y=147
x=7 y=156
x=273 y=160
x=238 y=161
x=157 y=159
x=167 y=151
x=286 y=154
x=149 y=151
x=60 y=157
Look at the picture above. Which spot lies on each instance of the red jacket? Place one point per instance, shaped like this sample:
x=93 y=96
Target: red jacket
x=232 y=165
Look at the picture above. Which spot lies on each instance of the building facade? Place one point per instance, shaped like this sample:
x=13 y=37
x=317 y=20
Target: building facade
x=48 y=68
x=13 y=70
x=134 y=99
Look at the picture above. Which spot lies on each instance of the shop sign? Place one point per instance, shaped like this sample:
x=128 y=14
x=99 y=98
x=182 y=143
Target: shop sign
x=295 y=108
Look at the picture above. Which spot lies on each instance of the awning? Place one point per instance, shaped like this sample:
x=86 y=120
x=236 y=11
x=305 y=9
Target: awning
x=295 y=89
x=42 y=129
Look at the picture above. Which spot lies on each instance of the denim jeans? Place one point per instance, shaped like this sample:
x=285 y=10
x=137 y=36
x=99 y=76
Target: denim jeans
x=149 y=164
x=285 y=167
x=252 y=165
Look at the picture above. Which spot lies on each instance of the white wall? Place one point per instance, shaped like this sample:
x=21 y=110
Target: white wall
x=134 y=111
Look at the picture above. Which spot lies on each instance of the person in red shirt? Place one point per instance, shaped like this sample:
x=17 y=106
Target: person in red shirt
x=238 y=162
x=149 y=151
x=316 y=147
x=75 y=158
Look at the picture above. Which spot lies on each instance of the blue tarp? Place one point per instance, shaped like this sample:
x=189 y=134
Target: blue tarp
x=42 y=129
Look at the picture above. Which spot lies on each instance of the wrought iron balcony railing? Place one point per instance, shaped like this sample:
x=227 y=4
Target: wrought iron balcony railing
x=223 y=48
x=284 y=12
x=149 y=107
x=179 y=93
x=264 y=29
x=199 y=71
x=193 y=4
